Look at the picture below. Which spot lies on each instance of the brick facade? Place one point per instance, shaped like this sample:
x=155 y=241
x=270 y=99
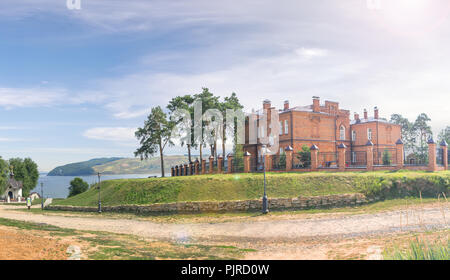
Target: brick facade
x=326 y=126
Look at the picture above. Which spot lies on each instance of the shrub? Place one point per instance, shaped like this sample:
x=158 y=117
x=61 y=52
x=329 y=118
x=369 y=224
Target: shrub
x=77 y=186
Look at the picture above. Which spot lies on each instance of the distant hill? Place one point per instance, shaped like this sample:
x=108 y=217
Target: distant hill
x=80 y=168
x=117 y=166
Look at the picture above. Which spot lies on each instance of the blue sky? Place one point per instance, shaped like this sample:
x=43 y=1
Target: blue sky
x=74 y=84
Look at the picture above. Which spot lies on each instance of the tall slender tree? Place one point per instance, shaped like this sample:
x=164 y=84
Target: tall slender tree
x=184 y=103
x=423 y=130
x=155 y=136
x=229 y=103
x=408 y=132
x=209 y=101
x=444 y=135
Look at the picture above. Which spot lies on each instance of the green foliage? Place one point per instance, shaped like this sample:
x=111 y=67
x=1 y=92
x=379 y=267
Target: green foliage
x=304 y=156
x=26 y=171
x=444 y=135
x=183 y=125
x=386 y=157
x=3 y=175
x=283 y=160
x=421 y=250
x=225 y=187
x=81 y=168
x=77 y=186
x=238 y=159
x=155 y=136
x=415 y=134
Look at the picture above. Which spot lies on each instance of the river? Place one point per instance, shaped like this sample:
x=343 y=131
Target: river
x=58 y=186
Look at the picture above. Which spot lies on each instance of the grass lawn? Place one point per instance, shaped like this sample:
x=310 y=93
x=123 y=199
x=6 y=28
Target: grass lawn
x=223 y=187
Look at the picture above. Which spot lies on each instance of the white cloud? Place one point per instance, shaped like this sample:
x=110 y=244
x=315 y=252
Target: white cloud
x=311 y=53
x=29 y=97
x=114 y=134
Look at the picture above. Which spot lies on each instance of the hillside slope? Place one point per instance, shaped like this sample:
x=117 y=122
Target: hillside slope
x=80 y=168
x=117 y=165
x=137 y=166
x=250 y=186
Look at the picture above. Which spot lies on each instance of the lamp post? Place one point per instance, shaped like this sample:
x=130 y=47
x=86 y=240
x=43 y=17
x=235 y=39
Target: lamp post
x=265 y=206
x=99 y=198
x=42 y=196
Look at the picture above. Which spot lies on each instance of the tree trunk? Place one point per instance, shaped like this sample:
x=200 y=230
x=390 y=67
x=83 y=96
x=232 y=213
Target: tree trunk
x=189 y=152
x=162 y=161
x=201 y=154
x=223 y=142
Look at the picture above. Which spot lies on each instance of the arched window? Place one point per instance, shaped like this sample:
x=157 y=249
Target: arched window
x=342 y=132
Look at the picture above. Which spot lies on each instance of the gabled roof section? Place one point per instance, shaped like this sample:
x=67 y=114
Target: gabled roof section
x=371 y=119
x=14 y=184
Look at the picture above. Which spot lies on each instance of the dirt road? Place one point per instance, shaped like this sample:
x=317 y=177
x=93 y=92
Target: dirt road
x=427 y=218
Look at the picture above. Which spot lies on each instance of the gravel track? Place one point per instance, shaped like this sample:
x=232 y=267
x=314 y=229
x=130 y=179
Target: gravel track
x=419 y=219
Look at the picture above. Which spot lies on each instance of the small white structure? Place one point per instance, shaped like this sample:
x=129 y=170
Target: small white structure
x=13 y=189
x=34 y=195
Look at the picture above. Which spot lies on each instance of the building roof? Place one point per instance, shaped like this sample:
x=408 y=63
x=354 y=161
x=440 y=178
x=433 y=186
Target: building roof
x=370 y=119
x=14 y=184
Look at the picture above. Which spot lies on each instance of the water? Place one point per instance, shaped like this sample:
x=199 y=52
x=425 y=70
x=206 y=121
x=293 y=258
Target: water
x=58 y=186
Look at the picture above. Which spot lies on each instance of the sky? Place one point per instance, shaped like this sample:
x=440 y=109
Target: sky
x=76 y=83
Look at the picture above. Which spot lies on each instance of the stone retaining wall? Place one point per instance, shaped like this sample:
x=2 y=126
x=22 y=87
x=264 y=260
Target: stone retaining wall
x=297 y=203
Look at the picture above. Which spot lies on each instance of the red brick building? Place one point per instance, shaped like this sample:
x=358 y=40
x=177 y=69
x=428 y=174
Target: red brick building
x=326 y=126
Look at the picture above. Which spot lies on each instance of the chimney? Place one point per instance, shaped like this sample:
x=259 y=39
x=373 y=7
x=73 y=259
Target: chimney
x=316 y=104
x=365 y=114
x=356 y=117
x=375 y=111
x=286 y=105
x=266 y=104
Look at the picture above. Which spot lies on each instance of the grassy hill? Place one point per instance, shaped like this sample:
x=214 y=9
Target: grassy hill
x=117 y=166
x=136 y=166
x=250 y=186
x=80 y=168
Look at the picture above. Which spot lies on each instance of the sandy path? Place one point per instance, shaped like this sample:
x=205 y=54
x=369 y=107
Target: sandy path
x=428 y=218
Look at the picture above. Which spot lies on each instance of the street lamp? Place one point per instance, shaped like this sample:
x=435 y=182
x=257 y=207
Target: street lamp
x=99 y=198
x=42 y=196
x=265 y=204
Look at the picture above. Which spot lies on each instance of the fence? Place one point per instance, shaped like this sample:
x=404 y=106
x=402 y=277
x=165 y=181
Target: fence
x=237 y=165
x=279 y=162
x=254 y=165
x=440 y=156
x=300 y=163
x=356 y=159
x=417 y=160
x=385 y=157
x=327 y=160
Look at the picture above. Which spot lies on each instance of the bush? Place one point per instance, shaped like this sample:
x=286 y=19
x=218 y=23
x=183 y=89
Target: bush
x=77 y=186
x=304 y=156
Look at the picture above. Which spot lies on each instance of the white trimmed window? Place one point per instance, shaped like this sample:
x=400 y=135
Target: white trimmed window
x=369 y=134
x=281 y=128
x=342 y=133
x=286 y=127
x=353 y=136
